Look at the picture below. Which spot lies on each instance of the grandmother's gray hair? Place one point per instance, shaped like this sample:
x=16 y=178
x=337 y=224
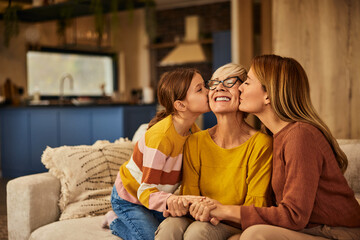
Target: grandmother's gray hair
x=230 y=69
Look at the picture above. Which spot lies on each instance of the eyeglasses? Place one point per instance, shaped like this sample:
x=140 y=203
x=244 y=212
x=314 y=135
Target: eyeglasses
x=229 y=82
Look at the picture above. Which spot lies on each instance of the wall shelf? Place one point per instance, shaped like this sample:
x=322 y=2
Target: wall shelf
x=79 y=8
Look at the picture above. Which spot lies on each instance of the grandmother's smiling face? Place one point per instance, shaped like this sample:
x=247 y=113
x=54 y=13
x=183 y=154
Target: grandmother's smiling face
x=225 y=99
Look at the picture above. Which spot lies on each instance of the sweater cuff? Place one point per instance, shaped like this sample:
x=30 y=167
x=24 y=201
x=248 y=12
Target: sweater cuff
x=249 y=217
x=157 y=201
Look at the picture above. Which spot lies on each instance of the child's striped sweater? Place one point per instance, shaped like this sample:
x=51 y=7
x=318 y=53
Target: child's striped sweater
x=153 y=172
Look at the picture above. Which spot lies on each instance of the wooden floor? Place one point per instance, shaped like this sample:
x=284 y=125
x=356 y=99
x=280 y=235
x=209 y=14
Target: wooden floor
x=3 y=220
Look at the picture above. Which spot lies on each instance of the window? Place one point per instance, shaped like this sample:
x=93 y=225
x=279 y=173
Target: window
x=90 y=71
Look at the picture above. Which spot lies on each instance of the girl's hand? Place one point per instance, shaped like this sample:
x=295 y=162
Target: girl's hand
x=178 y=205
x=206 y=210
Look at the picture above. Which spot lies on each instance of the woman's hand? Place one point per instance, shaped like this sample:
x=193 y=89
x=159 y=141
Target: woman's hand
x=207 y=210
x=178 y=205
x=214 y=212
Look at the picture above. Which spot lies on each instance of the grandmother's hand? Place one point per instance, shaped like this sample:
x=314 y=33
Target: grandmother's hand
x=178 y=205
x=206 y=210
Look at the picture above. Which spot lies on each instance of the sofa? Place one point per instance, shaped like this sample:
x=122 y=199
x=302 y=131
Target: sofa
x=33 y=210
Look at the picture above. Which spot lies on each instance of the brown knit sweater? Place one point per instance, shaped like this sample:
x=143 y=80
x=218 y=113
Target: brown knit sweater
x=309 y=187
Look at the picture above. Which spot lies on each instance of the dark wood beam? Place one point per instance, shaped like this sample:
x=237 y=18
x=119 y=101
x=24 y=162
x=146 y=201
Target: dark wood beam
x=78 y=8
x=18 y=1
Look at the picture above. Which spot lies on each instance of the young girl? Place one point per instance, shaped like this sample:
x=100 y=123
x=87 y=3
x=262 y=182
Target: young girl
x=145 y=183
x=313 y=198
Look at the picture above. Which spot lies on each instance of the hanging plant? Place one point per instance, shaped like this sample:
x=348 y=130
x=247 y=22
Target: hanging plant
x=99 y=19
x=130 y=8
x=11 y=22
x=114 y=21
x=115 y=26
x=150 y=16
x=64 y=22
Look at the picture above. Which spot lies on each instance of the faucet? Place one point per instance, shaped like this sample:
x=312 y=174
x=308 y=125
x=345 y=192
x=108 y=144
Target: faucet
x=62 y=80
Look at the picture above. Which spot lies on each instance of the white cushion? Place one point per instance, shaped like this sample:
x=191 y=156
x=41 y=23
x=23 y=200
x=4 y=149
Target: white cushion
x=351 y=148
x=74 y=229
x=140 y=132
x=87 y=175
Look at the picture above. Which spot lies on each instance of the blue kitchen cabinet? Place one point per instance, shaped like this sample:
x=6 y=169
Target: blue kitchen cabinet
x=43 y=128
x=26 y=132
x=15 y=149
x=134 y=117
x=75 y=127
x=107 y=124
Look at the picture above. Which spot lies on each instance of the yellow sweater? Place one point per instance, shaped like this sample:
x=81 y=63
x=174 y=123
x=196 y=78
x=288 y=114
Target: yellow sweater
x=240 y=175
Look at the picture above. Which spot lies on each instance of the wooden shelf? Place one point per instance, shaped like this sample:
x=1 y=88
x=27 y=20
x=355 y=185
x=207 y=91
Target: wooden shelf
x=79 y=8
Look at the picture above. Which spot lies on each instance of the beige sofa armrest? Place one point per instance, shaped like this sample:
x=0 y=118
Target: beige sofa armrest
x=32 y=201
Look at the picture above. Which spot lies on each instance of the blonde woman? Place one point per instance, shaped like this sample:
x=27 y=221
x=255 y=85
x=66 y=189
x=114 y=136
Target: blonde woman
x=230 y=162
x=313 y=198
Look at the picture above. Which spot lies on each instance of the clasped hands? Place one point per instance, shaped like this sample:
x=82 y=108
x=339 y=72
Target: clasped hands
x=200 y=208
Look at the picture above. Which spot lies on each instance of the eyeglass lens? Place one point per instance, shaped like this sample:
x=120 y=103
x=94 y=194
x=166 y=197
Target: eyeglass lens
x=229 y=82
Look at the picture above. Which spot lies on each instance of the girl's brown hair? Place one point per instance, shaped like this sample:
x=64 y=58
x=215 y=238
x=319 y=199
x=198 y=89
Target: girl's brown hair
x=172 y=86
x=288 y=88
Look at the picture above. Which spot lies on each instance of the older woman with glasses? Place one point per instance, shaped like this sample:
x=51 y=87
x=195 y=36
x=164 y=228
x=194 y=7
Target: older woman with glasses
x=230 y=162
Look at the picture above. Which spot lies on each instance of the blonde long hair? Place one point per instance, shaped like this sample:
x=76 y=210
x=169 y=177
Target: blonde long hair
x=172 y=86
x=288 y=88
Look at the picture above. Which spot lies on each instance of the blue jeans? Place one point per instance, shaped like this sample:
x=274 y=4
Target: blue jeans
x=134 y=221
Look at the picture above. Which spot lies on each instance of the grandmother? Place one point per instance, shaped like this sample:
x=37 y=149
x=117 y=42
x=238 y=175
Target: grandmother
x=230 y=162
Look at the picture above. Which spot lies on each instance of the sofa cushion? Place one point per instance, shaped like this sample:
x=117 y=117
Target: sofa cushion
x=74 y=229
x=351 y=148
x=87 y=175
x=140 y=132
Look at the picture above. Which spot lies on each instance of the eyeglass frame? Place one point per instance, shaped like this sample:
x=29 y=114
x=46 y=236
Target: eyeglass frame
x=218 y=81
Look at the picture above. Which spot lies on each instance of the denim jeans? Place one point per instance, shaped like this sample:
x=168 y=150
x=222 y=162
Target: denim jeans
x=134 y=221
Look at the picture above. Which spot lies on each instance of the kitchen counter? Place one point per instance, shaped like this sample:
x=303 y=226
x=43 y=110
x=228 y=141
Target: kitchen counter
x=73 y=103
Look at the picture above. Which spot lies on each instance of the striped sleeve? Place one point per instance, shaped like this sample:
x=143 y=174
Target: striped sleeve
x=161 y=172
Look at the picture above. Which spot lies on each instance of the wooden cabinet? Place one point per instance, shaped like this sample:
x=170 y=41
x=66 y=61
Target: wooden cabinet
x=25 y=132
